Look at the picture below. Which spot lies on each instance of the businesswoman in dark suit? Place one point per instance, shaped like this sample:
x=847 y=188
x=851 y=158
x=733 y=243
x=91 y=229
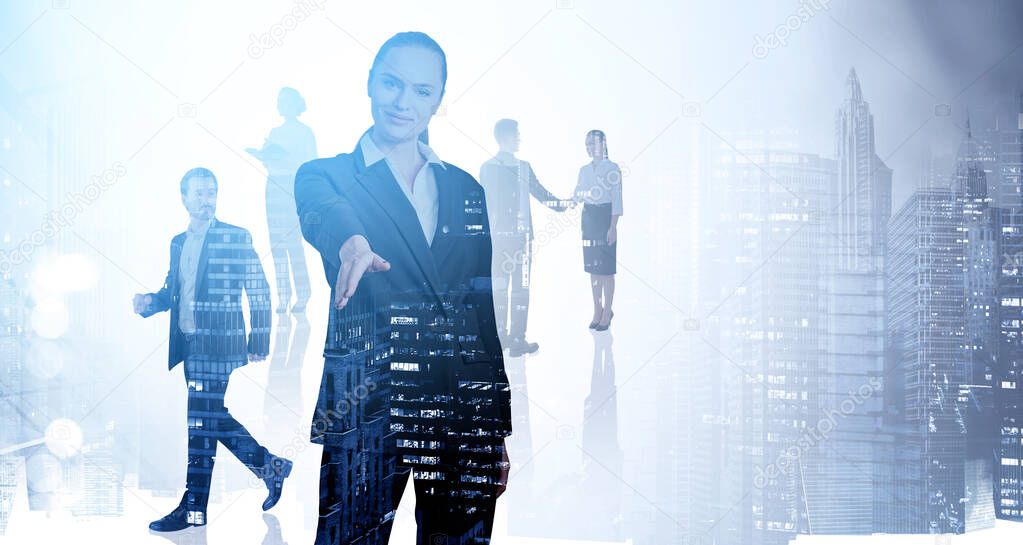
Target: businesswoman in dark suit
x=405 y=234
x=600 y=190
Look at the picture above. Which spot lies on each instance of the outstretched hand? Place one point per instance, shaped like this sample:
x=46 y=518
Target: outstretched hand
x=141 y=302
x=357 y=259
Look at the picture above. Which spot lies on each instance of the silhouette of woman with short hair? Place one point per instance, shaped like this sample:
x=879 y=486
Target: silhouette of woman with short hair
x=285 y=149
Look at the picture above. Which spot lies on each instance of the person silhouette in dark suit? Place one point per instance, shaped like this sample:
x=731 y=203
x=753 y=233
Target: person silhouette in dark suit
x=211 y=264
x=509 y=183
x=405 y=243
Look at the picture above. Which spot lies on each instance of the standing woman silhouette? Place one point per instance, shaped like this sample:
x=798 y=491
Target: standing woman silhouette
x=600 y=190
x=285 y=149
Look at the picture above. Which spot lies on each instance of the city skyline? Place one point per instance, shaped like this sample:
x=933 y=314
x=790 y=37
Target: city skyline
x=820 y=282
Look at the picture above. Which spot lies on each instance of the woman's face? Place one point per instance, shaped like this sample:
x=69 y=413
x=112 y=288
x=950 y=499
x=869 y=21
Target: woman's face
x=405 y=91
x=288 y=105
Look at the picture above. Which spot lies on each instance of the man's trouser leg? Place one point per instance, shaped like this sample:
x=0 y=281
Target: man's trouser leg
x=210 y=422
x=519 y=286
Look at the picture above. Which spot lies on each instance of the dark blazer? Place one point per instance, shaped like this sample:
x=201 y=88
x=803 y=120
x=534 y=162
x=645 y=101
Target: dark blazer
x=501 y=182
x=227 y=265
x=340 y=197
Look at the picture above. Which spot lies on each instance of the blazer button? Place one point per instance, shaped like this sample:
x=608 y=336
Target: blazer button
x=444 y=229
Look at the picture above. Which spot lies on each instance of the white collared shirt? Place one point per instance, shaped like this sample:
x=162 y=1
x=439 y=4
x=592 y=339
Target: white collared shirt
x=600 y=182
x=423 y=195
x=188 y=271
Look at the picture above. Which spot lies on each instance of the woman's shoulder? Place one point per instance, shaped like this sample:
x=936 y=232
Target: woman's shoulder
x=340 y=166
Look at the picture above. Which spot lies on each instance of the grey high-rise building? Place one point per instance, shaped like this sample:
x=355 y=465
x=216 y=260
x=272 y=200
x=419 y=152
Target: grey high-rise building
x=440 y=413
x=995 y=146
x=1008 y=390
x=938 y=486
x=11 y=365
x=862 y=201
x=980 y=238
x=1010 y=159
x=763 y=335
x=357 y=359
x=844 y=464
x=97 y=476
x=12 y=323
x=1008 y=386
x=8 y=488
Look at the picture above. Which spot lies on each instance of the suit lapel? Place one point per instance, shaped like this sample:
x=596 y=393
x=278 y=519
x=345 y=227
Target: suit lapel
x=380 y=184
x=204 y=257
x=175 y=266
x=449 y=216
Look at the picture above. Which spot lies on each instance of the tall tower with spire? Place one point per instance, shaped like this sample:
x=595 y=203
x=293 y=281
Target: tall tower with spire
x=839 y=500
x=980 y=238
x=862 y=202
x=976 y=412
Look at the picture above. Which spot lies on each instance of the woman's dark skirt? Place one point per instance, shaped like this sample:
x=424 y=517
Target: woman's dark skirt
x=599 y=257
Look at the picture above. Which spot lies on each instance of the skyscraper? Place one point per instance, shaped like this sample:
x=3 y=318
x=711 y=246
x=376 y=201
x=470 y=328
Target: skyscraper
x=8 y=487
x=862 y=202
x=98 y=481
x=939 y=488
x=980 y=238
x=12 y=323
x=1008 y=388
x=765 y=333
x=11 y=358
x=1010 y=159
x=844 y=463
x=357 y=359
x=1008 y=391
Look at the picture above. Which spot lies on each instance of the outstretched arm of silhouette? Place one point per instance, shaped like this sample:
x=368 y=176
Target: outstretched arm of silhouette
x=542 y=194
x=330 y=224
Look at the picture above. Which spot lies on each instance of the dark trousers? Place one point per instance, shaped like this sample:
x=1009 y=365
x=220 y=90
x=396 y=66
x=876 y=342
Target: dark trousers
x=512 y=256
x=354 y=511
x=432 y=423
x=441 y=519
x=210 y=422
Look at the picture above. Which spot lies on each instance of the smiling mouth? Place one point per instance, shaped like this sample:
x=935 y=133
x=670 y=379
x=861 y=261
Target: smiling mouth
x=399 y=119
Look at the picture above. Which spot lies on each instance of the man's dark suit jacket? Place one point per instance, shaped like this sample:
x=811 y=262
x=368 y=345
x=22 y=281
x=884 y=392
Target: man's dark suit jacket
x=501 y=182
x=227 y=265
x=340 y=197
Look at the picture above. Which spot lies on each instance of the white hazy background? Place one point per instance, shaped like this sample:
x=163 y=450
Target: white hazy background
x=163 y=87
